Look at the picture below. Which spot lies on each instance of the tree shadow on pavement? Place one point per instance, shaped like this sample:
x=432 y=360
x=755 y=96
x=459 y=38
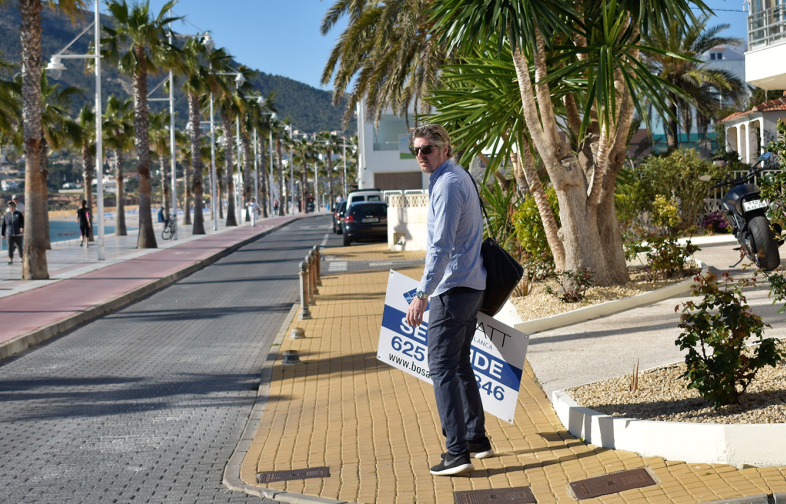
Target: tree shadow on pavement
x=55 y=397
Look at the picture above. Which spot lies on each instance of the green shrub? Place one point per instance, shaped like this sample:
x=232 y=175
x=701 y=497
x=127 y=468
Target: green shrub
x=719 y=364
x=666 y=257
x=532 y=236
x=665 y=213
x=773 y=185
x=676 y=176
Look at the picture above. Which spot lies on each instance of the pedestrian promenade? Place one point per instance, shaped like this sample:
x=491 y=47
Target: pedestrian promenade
x=378 y=431
x=81 y=287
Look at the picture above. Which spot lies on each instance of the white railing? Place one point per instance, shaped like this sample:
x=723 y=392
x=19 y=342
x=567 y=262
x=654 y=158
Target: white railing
x=767 y=27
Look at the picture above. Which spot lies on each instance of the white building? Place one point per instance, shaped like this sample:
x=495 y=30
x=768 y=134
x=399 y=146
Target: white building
x=748 y=132
x=726 y=57
x=764 y=61
x=384 y=160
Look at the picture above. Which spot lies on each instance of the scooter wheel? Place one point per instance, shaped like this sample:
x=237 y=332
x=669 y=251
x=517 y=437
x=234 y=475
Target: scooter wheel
x=764 y=245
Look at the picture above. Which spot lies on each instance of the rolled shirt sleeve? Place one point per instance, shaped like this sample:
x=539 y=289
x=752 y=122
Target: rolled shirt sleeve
x=446 y=210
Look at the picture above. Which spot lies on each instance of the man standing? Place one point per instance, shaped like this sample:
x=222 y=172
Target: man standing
x=19 y=206
x=253 y=209
x=13 y=229
x=454 y=279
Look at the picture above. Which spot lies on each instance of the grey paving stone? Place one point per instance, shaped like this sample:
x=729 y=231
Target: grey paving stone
x=148 y=403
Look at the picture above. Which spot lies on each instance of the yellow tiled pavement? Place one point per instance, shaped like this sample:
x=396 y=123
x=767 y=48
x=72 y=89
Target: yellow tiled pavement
x=377 y=428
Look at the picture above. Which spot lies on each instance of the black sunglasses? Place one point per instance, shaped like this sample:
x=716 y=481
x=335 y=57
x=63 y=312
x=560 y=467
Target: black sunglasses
x=425 y=149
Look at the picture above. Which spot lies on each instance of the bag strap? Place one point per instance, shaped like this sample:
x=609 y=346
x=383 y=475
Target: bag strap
x=482 y=206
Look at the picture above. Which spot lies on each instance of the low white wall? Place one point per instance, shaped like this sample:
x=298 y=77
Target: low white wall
x=407 y=228
x=757 y=445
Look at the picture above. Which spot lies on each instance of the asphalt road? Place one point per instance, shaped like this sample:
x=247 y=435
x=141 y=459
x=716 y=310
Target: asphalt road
x=148 y=403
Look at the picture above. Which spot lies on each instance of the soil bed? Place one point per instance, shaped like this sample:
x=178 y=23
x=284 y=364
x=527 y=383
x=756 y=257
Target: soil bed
x=539 y=303
x=663 y=395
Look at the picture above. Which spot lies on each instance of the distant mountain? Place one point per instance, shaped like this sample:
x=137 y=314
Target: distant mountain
x=309 y=108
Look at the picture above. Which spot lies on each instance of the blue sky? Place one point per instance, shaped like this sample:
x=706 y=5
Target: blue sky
x=281 y=37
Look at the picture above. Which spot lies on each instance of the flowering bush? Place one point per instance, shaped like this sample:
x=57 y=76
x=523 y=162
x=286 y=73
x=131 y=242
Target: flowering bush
x=716 y=222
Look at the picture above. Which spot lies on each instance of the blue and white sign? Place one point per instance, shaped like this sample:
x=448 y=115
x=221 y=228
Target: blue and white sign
x=498 y=351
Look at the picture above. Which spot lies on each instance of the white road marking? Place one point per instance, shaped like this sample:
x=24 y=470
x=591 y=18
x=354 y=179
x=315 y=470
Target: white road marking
x=338 y=266
x=324 y=240
x=382 y=263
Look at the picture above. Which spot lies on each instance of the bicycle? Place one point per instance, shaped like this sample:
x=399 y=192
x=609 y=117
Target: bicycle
x=169 y=228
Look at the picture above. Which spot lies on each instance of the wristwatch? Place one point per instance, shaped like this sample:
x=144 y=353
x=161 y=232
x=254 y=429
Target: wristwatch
x=421 y=295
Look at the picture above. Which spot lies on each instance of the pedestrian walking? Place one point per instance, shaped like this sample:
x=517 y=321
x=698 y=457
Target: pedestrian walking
x=83 y=219
x=454 y=281
x=253 y=209
x=275 y=207
x=19 y=206
x=13 y=230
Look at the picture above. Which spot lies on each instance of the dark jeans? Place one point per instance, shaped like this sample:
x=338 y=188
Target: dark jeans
x=17 y=240
x=452 y=320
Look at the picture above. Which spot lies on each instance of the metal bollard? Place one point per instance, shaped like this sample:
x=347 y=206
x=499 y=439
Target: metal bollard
x=319 y=265
x=310 y=274
x=305 y=313
x=315 y=270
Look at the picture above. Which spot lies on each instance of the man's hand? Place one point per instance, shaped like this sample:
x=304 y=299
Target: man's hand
x=415 y=312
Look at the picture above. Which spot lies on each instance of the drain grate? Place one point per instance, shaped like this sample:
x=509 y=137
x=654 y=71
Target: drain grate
x=611 y=483
x=518 y=495
x=294 y=474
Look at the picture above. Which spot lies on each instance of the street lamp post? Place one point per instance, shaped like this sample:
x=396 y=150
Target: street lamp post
x=56 y=67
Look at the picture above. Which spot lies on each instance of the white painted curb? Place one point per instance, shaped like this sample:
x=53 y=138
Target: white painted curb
x=595 y=311
x=736 y=444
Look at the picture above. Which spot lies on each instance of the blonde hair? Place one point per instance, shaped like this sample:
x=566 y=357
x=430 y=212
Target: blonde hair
x=436 y=134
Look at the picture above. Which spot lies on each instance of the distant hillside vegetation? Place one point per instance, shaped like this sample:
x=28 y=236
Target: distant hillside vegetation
x=309 y=108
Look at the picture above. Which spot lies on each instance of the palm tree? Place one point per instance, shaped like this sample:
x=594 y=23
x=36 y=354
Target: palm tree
x=387 y=53
x=699 y=83
x=137 y=46
x=198 y=81
x=231 y=106
x=159 y=138
x=280 y=133
x=118 y=131
x=330 y=143
x=34 y=264
x=83 y=137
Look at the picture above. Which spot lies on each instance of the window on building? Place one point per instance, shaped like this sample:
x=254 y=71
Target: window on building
x=719 y=56
x=386 y=136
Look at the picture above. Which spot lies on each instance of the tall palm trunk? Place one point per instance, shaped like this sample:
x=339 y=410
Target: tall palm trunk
x=45 y=199
x=280 y=157
x=88 y=172
x=229 y=146
x=163 y=161
x=262 y=197
x=330 y=176
x=303 y=188
x=246 y=141
x=34 y=264
x=220 y=198
x=120 y=219
x=672 y=141
x=187 y=178
x=196 y=164
x=147 y=237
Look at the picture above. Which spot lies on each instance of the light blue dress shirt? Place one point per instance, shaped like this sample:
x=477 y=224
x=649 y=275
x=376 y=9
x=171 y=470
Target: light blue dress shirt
x=455 y=232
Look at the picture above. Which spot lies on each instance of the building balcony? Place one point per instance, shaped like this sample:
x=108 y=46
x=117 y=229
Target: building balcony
x=766 y=48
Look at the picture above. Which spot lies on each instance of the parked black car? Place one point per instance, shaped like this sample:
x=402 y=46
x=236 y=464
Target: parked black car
x=365 y=220
x=338 y=214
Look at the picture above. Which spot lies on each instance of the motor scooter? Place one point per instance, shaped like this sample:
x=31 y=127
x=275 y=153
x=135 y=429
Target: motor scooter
x=746 y=213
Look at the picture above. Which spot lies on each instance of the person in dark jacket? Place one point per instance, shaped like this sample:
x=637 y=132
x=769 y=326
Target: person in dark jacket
x=83 y=218
x=13 y=229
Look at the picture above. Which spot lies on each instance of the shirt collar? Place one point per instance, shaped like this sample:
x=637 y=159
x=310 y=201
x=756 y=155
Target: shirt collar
x=440 y=170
